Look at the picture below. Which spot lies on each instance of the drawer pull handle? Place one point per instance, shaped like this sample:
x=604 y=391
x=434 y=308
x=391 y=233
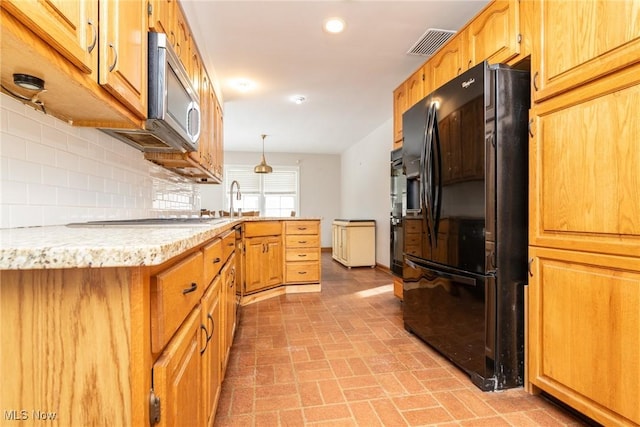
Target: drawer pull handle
x=302 y=241
x=95 y=36
x=302 y=228
x=115 y=59
x=231 y=244
x=216 y=260
x=190 y=289
x=206 y=342
x=302 y=255
x=213 y=326
x=302 y=272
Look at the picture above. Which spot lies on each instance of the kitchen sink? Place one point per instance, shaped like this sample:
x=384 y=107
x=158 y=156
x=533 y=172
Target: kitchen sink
x=152 y=222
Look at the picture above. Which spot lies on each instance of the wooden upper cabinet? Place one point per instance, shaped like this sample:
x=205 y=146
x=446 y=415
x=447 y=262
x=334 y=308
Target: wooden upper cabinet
x=580 y=41
x=162 y=15
x=123 y=52
x=415 y=87
x=494 y=34
x=399 y=107
x=71 y=27
x=446 y=64
x=583 y=163
x=183 y=40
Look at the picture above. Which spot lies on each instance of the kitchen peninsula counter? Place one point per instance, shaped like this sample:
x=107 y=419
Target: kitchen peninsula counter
x=89 y=246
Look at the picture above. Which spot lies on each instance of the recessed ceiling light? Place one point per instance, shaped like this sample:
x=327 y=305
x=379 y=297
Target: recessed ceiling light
x=243 y=85
x=334 y=25
x=298 y=99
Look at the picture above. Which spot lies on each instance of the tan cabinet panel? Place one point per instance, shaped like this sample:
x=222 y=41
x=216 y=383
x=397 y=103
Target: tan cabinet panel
x=71 y=27
x=177 y=375
x=582 y=40
x=400 y=105
x=174 y=292
x=493 y=35
x=211 y=320
x=584 y=163
x=123 y=52
x=584 y=332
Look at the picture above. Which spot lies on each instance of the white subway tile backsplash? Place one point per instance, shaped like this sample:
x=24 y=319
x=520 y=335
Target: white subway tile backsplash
x=14 y=147
x=53 y=173
x=24 y=127
x=39 y=194
x=23 y=171
x=14 y=192
x=55 y=176
x=41 y=154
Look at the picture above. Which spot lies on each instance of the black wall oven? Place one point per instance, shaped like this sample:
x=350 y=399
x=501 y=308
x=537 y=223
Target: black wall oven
x=398 y=200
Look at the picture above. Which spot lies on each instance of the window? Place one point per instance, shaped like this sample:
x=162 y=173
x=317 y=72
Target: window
x=273 y=194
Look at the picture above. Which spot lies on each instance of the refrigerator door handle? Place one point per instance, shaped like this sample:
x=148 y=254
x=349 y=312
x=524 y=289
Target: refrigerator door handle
x=437 y=184
x=425 y=179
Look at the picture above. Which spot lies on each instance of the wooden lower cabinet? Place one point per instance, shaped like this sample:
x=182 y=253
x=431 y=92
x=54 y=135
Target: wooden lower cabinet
x=211 y=321
x=229 y=305
x=302 y=252
x=93 y=346
x=262 y=243
x=177 y=375
x=584 y=332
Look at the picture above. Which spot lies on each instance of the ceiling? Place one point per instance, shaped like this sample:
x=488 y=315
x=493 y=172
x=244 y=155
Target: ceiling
x=347 y=79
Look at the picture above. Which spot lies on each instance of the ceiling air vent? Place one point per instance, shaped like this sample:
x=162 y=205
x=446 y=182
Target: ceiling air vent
x=430 y=42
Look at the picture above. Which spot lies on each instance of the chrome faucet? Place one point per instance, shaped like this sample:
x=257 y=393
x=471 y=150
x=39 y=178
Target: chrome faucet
x=239 y=197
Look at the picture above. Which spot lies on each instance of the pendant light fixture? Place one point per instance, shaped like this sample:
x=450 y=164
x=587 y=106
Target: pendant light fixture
x=263 y=167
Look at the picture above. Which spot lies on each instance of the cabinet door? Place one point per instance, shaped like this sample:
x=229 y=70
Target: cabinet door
x=177 y=375
x=584 y=332
x=162 y=18
x=123 y=52
x=415 y=87
x=400 y=104
x=218 y=137
x=493 y=35
x=446 y=63
x=584 y=162
x=582 y=40
x=71 y=27
x=272 y=262
x=230 y=302
x=211 y=320
x=183 y=37
x=254 y=250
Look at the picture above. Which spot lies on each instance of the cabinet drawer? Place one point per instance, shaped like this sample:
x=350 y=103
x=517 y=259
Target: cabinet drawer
x=413 y=226
x=302 y=241
x=301 y=227
x=302 y=272
x=212 y=260
x=228 y=245
x=301 y=254
x=174 y=293
x=262 y=228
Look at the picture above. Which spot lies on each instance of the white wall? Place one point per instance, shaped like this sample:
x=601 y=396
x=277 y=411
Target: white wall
x=366 y=184
x=320 y=184
x=52 y=173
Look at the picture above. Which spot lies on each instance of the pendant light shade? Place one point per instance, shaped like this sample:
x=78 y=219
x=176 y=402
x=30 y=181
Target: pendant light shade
x=263 y=167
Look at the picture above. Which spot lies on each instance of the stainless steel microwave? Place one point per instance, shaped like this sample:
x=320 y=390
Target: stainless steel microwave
x=173 y=111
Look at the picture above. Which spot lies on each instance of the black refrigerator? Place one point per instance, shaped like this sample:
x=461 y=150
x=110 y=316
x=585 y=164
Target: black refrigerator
x=465 y=160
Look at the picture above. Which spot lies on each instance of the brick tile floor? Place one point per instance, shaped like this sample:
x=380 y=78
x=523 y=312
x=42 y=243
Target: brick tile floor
x=342 y=358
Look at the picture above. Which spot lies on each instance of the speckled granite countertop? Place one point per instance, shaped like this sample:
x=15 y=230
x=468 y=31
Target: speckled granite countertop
x=110 y=246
